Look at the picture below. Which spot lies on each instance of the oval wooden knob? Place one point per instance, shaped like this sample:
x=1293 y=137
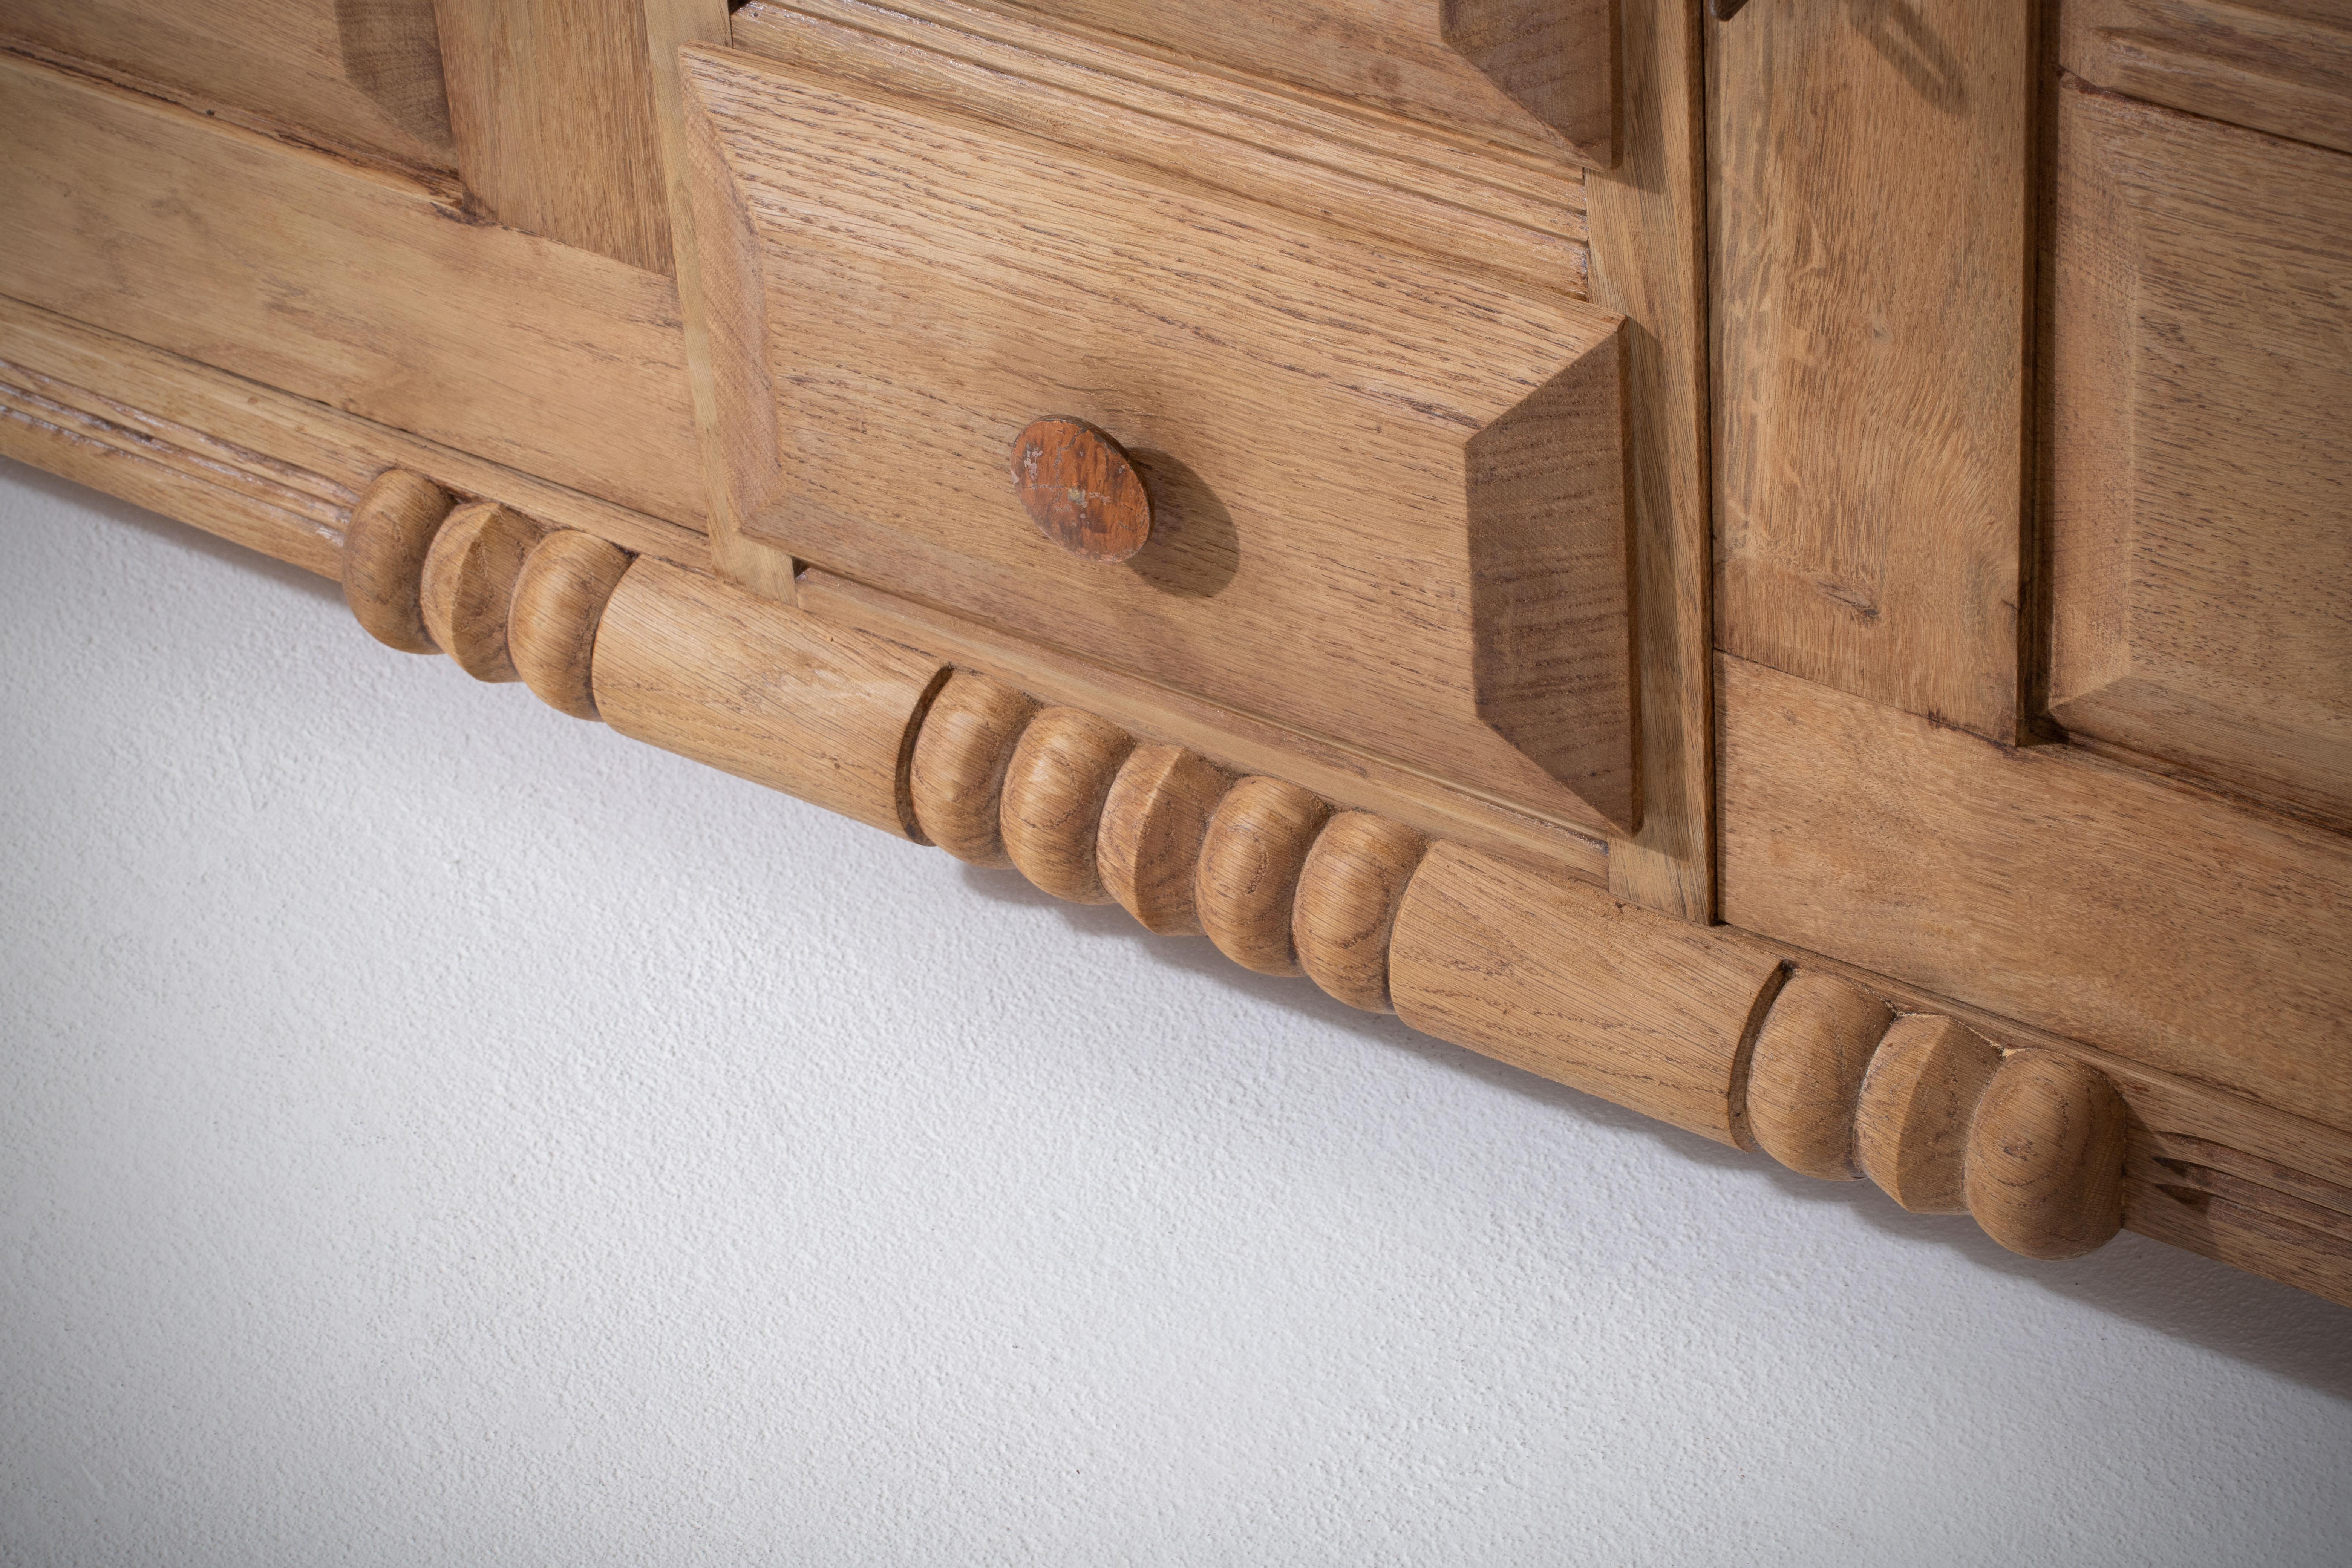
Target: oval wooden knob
x=1080 y=489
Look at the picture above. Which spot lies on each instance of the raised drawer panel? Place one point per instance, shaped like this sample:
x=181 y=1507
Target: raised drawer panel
x=366 y=74
x=1389 y=487
x=2201 y=368
x=1539 y=76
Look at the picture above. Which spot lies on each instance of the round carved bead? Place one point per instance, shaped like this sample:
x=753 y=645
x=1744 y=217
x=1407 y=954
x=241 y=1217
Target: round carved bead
x=1150 y=844
x=468 y=586
x=1055 y=788
x=1251 y=858
x=384 y=545
x=957 y=778
x=1911 y=1127
x=1080 y=489
x=1348 y=892
x=559 y=602
x=1805 y=1077
x=2045 y=1165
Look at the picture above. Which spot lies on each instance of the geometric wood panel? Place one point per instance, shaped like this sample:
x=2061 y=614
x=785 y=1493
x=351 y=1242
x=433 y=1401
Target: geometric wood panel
x=2202 y=530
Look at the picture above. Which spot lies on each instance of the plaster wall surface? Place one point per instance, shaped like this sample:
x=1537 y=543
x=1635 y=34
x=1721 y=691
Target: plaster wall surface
x=435 y=1130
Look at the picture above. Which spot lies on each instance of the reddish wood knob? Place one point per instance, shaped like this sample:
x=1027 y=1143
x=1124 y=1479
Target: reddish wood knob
x=1081 y=489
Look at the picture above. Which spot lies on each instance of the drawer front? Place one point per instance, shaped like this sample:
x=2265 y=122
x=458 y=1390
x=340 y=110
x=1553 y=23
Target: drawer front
x=1387 y=492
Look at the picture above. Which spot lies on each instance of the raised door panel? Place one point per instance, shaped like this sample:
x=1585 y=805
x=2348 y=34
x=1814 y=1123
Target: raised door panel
x=363 y=74
x=2280 y=65
x=2201 y=482
x=1389 y=489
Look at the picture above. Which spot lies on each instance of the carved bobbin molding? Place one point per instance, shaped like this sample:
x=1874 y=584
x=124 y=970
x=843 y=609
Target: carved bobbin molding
x=1704 y=1027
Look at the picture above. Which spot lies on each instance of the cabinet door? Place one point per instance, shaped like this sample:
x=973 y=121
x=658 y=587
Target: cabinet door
x=2036 y=609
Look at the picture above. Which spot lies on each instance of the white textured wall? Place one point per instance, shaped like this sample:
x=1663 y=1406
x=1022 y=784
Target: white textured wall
x=435 y=1130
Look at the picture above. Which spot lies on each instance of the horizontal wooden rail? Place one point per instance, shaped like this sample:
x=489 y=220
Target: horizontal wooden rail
x=1705 y=1028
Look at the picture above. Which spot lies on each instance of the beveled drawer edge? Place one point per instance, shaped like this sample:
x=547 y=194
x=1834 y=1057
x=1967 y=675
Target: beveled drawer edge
x=1114 y=100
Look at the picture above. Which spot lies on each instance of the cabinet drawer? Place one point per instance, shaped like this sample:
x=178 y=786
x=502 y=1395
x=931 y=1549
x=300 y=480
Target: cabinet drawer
x=1387 y=488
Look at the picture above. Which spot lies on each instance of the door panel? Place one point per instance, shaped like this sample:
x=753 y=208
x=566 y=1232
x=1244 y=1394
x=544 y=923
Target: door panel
x=364 y=74
x=2201 y=480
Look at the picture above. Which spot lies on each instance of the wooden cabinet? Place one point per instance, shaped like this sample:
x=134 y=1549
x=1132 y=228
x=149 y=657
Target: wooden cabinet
x=1789 y=570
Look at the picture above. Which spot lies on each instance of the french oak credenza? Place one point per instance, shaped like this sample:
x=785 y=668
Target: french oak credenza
x=1788 y=565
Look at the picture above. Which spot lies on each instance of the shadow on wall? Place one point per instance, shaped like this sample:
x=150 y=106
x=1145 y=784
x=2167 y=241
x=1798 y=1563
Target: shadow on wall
x=2286 y=1332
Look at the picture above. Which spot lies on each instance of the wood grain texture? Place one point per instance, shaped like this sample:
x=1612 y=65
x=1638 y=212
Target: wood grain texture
x=386 y=543
x=358 y=74
x=468 y=586
x=1568 y=982
x=1345 y=909
x=957 y=781
x=1080 y=489
x=2202 y=384
x=1647 y=220
x=1529 y=74
x=2280 y=65
x=348 y=287
x=1912 y=1122
x=1247 y=881
x=1872 y=180
x=1804 y=1079
x=926 y=327
x=763 y=691
x=270 y=471
x=1055 y=788
x=552 y=112
x=1453 y=196
x=2046 y=1156
x=1235 y=741
x=2165 y=925
x=558 y=602
x=1149 y=846
x=1551 y=591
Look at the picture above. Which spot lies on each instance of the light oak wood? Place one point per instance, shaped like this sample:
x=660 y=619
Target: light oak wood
x=1148 y=847
x=1236 y=741
x=273 y=472
x=558 y=602
x=1055 y=788
x=1872 y=173
x=1568 y=982
x=2280 y=65
x=468 y=586
x=1452 y=195
x=1348 y=579
x=1804 y=1079
x=1648 y=221
x=1251 y=858
x=760 y=690
x=365 y=75
x=957 y=781
x=348 y=287
x=2165 y=925
x=1528 y=74
x=1912 y=1122
x=2184 y=1136
x=2201 y=571
x=552 y=111
x=1344 y=912
x=384 y=545
x=2045 y=1157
